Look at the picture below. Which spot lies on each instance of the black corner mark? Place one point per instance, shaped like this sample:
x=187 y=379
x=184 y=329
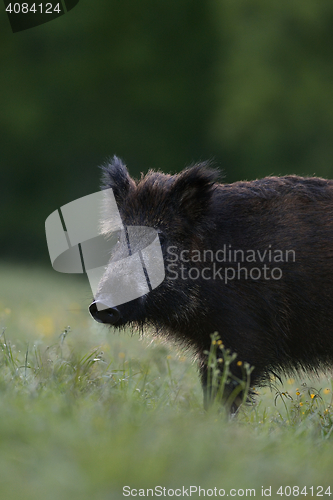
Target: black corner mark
x=70 y=4
x=23 y=15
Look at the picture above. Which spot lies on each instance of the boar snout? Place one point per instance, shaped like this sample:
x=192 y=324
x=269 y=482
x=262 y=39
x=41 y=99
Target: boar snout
x=108 y=315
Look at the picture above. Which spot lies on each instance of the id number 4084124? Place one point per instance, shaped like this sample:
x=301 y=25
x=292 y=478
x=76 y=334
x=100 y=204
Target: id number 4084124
x=311 y=491
x=35 y=8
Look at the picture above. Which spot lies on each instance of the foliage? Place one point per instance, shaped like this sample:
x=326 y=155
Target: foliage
x=219 y=376
x=85 y=411
x=161 y=84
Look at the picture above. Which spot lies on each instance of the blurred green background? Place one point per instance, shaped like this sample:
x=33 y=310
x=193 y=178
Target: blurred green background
x=161 y=84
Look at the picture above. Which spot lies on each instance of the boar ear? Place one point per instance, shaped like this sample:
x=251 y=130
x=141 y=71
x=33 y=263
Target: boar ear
x=193 y=189
x=116 y=176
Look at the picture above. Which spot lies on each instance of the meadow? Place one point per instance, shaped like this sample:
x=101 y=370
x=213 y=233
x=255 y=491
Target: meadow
x=90 y=413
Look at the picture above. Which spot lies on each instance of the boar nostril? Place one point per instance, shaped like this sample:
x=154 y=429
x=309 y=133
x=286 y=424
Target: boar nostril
x=110 y=315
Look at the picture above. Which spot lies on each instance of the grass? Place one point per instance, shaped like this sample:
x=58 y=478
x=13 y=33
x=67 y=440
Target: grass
x=85 y=411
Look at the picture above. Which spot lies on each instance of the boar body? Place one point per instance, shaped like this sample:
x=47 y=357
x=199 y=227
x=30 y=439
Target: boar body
x=271 y=302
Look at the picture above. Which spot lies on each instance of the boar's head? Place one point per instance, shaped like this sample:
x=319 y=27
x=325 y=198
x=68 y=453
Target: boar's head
x=175 y=210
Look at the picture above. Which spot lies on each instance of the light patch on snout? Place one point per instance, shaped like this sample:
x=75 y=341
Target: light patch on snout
x=136 y=267
x=121 y=281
